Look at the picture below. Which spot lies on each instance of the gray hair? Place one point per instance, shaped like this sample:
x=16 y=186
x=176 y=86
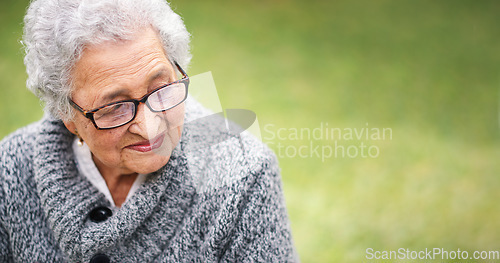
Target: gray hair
x=57 y=31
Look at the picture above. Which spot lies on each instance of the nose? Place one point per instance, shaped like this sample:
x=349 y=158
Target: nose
x=146 y=122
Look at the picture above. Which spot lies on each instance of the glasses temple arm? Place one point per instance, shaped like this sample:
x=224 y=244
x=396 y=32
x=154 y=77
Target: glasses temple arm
x=184 y=74
x=77 y=107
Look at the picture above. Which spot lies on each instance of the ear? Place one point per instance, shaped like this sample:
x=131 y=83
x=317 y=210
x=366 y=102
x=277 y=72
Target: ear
x=70 y=125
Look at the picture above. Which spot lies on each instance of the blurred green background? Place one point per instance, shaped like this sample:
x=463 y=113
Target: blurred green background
x=428 y=70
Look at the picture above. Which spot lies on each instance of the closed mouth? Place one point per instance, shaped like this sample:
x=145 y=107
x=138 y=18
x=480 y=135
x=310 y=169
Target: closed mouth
x=148 y=145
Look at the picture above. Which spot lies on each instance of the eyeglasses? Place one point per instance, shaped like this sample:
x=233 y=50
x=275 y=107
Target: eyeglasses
x=116 y=114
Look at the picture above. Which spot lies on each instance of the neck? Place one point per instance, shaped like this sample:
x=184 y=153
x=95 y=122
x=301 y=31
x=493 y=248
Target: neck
x=118 y=184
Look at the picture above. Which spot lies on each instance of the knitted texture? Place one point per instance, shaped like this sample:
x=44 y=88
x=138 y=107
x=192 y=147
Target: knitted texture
x=210 y=202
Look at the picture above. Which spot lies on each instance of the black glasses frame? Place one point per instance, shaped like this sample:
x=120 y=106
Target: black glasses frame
x=90 y=114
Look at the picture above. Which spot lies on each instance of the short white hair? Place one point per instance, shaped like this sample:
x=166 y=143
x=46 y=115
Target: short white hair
x=57 y=31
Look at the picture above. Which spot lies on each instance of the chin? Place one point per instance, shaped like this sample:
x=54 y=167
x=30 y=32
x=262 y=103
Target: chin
x=152 y=164
x=154 y=160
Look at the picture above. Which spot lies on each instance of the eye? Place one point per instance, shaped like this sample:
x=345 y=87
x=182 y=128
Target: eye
x=115 y=111
x=110 y=109
x=168 y=96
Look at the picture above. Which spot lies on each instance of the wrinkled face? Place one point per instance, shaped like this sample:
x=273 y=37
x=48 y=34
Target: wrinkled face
x=116 y=71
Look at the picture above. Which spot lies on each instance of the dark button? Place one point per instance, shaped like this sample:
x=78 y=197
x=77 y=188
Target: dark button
x=100 y=214
x=100 y=258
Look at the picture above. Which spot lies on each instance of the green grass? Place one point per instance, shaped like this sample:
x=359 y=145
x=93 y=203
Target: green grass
x=426 y=69
x=17 y=105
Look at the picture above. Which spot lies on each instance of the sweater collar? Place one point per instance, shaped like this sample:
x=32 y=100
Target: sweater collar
x=67 y=197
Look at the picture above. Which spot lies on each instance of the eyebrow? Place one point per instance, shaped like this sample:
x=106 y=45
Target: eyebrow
x=110 y=96
x=163 y=71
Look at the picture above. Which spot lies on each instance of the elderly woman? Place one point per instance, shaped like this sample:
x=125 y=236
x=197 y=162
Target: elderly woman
x=117 y=170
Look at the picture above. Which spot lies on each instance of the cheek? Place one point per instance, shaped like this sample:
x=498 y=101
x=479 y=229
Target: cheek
x=174 y=118
x=105 y=143
x=177 y=121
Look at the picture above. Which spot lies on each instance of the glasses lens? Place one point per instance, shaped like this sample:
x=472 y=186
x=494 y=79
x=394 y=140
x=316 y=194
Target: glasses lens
x=114 y=115
x=167 y=97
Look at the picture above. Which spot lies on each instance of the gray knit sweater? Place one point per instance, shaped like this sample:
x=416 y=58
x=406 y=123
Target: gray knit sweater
x=219 y=198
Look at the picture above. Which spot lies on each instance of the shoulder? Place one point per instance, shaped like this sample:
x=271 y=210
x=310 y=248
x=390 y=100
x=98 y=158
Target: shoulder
x=26 y=135
x=17 y=149
x=19 y=152
x=220 y=153
x=15 y=162
x=16 y=145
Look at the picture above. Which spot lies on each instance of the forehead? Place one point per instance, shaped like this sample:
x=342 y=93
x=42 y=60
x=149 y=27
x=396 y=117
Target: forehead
x=119 y=64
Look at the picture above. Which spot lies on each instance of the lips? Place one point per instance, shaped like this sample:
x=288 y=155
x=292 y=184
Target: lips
x=148 y=145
